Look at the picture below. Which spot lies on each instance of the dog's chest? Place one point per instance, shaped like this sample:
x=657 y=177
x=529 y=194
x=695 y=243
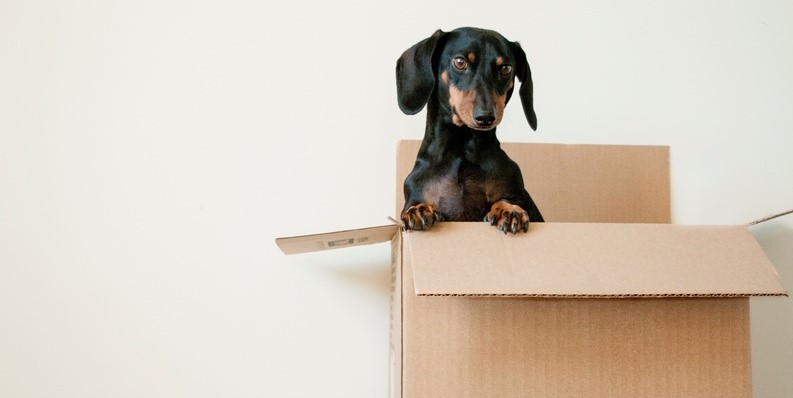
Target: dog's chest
x=461 y=193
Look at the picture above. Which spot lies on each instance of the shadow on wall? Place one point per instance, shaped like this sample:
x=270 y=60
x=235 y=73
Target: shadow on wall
x=366 y=269
x=772 y=317
x=376 y=277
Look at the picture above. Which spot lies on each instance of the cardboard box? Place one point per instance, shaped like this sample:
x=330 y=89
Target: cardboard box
x=605 y=299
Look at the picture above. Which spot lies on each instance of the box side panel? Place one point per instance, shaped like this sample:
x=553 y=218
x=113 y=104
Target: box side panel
x=517 y=347
x=597 y=183
x=395 y=346
x=406 y=158
x=582 y=183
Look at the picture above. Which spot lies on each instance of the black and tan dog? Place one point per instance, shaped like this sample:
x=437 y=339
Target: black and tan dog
x=465 y=78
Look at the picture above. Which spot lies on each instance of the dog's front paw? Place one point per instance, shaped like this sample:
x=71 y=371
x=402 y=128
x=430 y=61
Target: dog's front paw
x=421 y=216
x=508 y=217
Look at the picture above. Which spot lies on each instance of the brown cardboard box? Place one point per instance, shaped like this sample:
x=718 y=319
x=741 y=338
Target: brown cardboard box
x=605 y=299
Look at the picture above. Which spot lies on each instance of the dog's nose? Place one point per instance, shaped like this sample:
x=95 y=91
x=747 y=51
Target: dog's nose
x=485 y=119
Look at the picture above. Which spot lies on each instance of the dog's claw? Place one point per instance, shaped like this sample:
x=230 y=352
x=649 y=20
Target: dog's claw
x=508 y=218
x=421 y=216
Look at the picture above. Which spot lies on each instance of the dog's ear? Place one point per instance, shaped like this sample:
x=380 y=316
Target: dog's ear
x=415 y=74
x=526 y=92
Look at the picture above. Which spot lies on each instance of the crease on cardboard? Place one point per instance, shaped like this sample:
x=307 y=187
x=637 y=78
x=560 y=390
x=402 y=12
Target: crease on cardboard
x=605 y=296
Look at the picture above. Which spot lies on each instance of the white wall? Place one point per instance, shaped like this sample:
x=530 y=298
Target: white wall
x=151 y=151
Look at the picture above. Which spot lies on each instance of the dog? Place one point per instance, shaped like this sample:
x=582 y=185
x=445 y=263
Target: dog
x=465 y=78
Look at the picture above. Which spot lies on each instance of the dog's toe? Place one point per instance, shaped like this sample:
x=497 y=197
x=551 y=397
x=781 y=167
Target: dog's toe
x=508 y=217
x=421 y=216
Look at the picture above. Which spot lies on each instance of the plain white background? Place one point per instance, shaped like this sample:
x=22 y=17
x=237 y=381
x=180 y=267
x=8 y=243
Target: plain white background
x=151 y=151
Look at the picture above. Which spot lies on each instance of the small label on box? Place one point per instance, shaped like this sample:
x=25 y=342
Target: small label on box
x=340 y=242
x=346 y=241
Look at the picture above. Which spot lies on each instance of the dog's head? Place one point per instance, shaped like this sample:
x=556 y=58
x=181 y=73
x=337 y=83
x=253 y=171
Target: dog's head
x=472 y=71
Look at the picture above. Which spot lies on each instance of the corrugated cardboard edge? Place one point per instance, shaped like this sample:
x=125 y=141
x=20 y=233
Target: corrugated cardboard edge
x=396 y=327
x=605 y=296
x=770 y=217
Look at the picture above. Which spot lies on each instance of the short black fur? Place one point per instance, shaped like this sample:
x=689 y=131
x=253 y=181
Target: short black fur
x=465 y=78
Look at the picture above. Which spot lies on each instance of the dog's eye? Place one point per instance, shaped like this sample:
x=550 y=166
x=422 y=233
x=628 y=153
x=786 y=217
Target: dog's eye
x=505 y=70
x=460 y=63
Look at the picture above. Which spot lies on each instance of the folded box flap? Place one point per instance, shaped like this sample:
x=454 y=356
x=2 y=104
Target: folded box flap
x=336 y=239
x=590 y=260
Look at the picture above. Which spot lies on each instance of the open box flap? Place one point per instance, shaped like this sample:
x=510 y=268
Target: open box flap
x=590 y=260
x=336 y=240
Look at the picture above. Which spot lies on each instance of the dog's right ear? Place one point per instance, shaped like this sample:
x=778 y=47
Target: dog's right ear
x=415 y=75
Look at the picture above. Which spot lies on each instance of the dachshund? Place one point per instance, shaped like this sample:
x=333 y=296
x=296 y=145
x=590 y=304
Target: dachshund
x=465 y=78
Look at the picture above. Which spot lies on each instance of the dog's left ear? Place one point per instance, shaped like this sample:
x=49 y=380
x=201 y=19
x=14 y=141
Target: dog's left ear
x=415 y=74
x=526 y=93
